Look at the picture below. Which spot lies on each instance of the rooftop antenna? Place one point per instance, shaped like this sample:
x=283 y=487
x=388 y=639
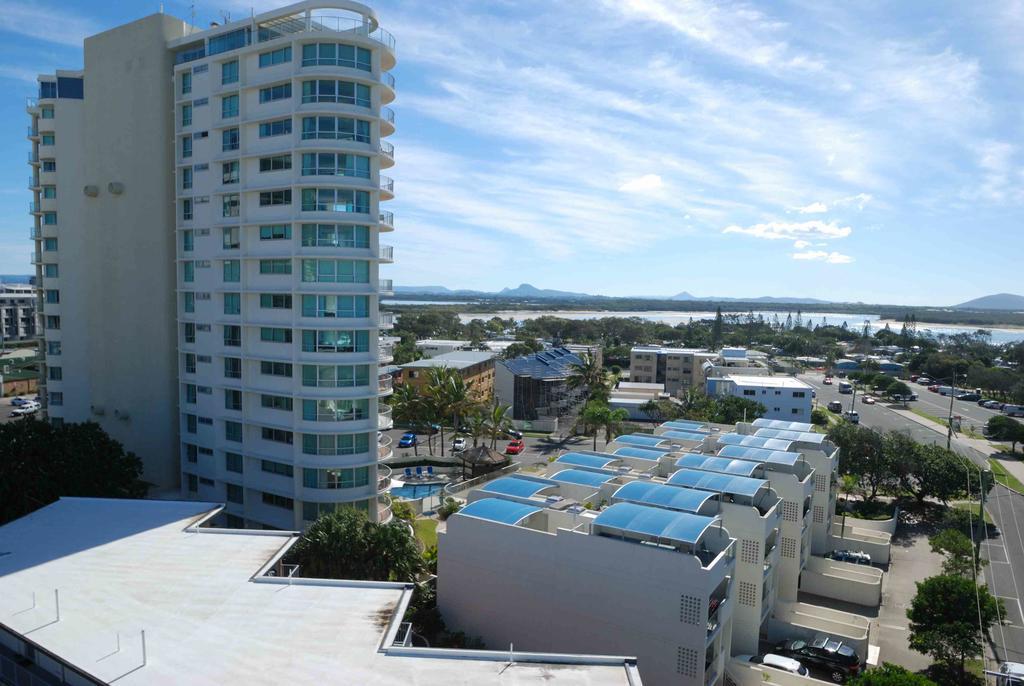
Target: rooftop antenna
x=192 y=17
x=225 y=16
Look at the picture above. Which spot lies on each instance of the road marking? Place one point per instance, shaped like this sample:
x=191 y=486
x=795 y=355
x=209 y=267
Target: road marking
x=873 y=652
x=998 y=562
x=894 y=628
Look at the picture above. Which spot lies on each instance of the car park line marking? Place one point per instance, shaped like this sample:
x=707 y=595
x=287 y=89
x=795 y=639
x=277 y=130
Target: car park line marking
x=873 y=652
x=893 y=627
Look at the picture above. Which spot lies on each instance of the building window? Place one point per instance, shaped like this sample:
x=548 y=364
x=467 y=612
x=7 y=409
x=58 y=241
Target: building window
x=338 y=54
x=233 y=431
x=339 y=128
x=50 y=218
x=232 y=336
x=47 y=139
x=190 y=363
x=331 y=164
x=748 y=391
x=276 y=402
x=335 y=410
x=229 y=140
x=186 y=209
x=49 y=192
x=232 y=368
x=276 y=435
x=336 y=271
x=193 y=482
x=229 y=72
x=275 y=266
x=55 y=398
x=282 y=197
x=795 y=410
x=186 y=115
x=233 y=493
x=189 y=332
x=49 y=166
x=229 y=238
x=51 y=271
x=335 y=200
x=232 y=303
x=188 y=271
x=344 y=444
x=799 y=394
x=275 y=500
x=335 y=341
x=332 y=376
x=276 y=301
x=229 y=106
x=233 y=462
x=186 y=178
x=52 y=348
x=268 y=368
x=269 y=334
x=280 y=56
x=186 y=83
x=275 y=163
x=230 y=204
x=46 y=113
x=55 y=373
x=344 y=92
x=50 y=245
x=52 y=296
x=188 y=240
x=189 y=302
x=186 y=146
x=232 y=399
x=278 y=127
x=342 y=306
x=229 y=172
x=279 y=468
x=282 y=91
x=275 y=232
x=336 y=478
x=190 y=393
x=191 y=451
x=191 y=425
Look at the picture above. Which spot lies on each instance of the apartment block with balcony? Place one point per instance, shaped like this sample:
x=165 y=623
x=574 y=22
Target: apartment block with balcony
x=241 y=358
x=783 y=397
x=678 y=369
x=18 y=311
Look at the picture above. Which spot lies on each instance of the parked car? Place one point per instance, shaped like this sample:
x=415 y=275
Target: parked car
x=839 y=660
x=786 y=664
x=970 y=397
x=853 y=556
x=515 y=447
x=18 y=402
x=904 y=398
x=993 y=405
x=924 y=380
x=407 y=440
x=867 y=400
x=827 y=381
x=934 y=388
x=1011 y=674
x=26 y=409
x=852 y=416
x=458 y=444
x=1013 y=410
x=834 y=406
x=914 y=377
x=514 y=435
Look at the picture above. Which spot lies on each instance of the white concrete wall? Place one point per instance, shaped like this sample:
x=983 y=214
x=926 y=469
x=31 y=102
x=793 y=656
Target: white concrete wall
x=844 y=581
x=802 y=620
x=574 y=592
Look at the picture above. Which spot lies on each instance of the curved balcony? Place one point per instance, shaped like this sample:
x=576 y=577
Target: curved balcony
x=387 y=121
x=386 y=221
x=387 y=151
x=33 y=207
x=385 y=287
x=387 y=92
x=35 y=258
x=387 y=188
x=386 y=254
x=384 y=419
x=383 y=478
x=386 y=320
x=31 y=103
x=384 y=447
x=385 y=385
x=383 y=508
x=33 y=183
x=33 y=157
x=386 y=353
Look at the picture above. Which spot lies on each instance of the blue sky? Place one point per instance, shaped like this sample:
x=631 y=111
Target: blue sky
x=861 y=151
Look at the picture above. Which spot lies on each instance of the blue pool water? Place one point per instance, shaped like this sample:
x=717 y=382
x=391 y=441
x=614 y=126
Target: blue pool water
x=414 y=491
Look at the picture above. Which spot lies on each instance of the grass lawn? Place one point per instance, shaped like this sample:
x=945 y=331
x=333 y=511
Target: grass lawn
x=1004 y=477
x=426 y=532
x=943 y=421
x=973 y=507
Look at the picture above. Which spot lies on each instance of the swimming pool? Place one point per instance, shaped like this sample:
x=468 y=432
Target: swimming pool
x=414 y=491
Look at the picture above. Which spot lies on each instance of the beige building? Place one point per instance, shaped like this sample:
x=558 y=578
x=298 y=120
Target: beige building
x=476 y=368
x=679 y=369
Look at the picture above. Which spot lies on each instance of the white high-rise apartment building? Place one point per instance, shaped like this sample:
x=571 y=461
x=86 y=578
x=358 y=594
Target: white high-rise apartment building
x=217 y=271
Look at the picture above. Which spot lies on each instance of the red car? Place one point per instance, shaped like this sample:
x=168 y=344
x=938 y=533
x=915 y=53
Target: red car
x=827 y=381
x=934 y=388
x=515 y=447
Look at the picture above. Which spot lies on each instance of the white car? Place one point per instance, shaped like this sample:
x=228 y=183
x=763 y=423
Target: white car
x=18 y=402
x=458 y=444
x=1011 y=674
x=786 y=664
x=27 y=409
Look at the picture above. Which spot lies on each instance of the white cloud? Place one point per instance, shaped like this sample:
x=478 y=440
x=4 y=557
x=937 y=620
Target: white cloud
x=800 y=245
x=860 y=201
x=648 y=183
x=823 y=256
x=815 y=229
x=813 y=208
x=52 y=24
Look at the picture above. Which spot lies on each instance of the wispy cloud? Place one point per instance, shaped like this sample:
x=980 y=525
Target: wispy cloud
x=823 y=256
x=792 y=230
x=46 y=23
x=813 y=208
x=648 y=183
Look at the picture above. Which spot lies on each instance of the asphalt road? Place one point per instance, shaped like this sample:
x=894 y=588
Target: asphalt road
x=938 y=405
x=1005 y=571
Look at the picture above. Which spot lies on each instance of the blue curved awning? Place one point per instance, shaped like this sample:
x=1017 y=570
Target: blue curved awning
x=498 y=510
x=724 y=465
x=583 y=477
x=746 y=452
x=719 y=483
x=586 y=460
x=517 y=486
x=652 y=522
x=661 y=495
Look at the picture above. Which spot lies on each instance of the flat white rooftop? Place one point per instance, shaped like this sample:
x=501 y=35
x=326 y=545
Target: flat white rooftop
x=126 y=566
x=767 y=381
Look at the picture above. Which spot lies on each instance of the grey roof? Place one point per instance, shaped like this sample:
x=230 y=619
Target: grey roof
x=555 y=363
x=458 y=359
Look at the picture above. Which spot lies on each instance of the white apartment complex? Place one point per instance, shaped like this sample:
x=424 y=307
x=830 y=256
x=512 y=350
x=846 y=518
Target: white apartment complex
x=240 y=169
x=784 y=397
x=17 y=312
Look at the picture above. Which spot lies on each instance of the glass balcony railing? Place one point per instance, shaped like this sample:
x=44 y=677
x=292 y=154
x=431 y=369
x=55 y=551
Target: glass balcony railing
x=387 y=184
x=34 y=232
x=383 y=478
x=32 y=132
x=384 y=420
x=33 y=182
x=317 y=22
x=386 y=320
x=33 y=157
x=384 y=449
x=31 y=102
x=387 y=114
x=33 y=206
x=385 y=384
x=388 y=79
x=386 y=148
x=386 y=253
x=385 y=286
x=387 y=218
x=383 y=508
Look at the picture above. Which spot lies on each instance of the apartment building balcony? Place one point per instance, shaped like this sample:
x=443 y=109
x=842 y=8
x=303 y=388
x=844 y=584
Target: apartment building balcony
x=35 y=258
x=387 y=121
x=386 y=353
x=319 y=22
x=384 y=418
x=383 y=508
x=33 y=183
x=32 y=133
x=387 y=151
x=386 y=320
x=387 y=188
x=31 y=104
x=34 y=207
x=383 y=478
x=35 y=233
x=385 y=385
x=387 y=221
x=385 y=448
x=386 y=254
x=385 y=287
x=33 y=157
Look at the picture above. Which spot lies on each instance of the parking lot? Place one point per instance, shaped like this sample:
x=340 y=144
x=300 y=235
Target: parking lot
x=6 y=407
x=538 y=449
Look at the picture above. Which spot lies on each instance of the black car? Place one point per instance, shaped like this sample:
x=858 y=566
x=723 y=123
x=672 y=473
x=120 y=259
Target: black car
x=514 y=435
x=824 y=653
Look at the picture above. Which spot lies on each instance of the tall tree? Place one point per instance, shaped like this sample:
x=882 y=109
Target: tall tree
x=613 y=422
x=498 y=421
x=589 y=374
x=593 y=417
x=40 y=463
x=717 y=328
x=890 y=675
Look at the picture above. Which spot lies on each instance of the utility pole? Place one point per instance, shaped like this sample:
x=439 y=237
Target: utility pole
x=949 y=421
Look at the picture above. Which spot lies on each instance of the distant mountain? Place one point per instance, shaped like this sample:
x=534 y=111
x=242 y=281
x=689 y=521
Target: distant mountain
x=15 y=278
x=525 y=290
x=760 y=299
x=998 y=301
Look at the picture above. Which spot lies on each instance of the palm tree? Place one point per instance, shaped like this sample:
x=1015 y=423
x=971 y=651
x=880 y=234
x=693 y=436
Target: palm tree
x=594 y=416
x=590 y=375
x=612 y=423
x=498 y=421
x=847 y=486
x=409 y=408
x=477 y=422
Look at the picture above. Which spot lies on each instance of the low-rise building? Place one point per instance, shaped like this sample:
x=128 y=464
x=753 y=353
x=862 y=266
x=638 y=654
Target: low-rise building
x=784 y=397
x=735 y=361
x=679 y=369
x=537 y=388
x=476 y=368
x=17 y=312
x=98 y=591
x=432 y=347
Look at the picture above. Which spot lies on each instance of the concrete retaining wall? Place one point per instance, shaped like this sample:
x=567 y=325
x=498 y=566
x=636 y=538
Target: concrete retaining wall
x=851 y=583
x=802 y=620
